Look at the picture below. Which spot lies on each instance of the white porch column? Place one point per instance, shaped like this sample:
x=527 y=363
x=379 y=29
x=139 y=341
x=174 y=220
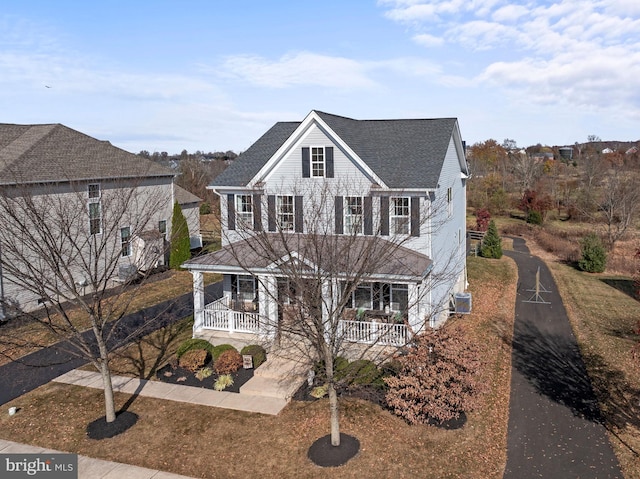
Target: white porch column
x=415 y=303
x=198 y=300
x=268 y=305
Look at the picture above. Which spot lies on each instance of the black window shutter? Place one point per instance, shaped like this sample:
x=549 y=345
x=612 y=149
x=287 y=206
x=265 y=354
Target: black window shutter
x=271 y=212
x=368 y=215
x=306 y=162
x=384 y=215
x=339 y=218
x=299 y=218
x=257 y=212
x=415 y=216
x=231 y=212
x=328 y=159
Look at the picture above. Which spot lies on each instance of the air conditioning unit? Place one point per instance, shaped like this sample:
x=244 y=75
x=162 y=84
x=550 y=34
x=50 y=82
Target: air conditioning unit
x=462 y=303
x=127 y=272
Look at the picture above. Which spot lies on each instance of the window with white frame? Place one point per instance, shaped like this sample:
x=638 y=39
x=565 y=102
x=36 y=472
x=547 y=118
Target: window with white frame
x=285 y=212
x=246 y=288
x=399 y=297
x=95 y=218
x=449 y=201
x=93 y=191
x=125 y=241
x=317 y=162
x=244 y=209
x=363 y=296
x=353 y=214
x=400 y=215
x=162 y=227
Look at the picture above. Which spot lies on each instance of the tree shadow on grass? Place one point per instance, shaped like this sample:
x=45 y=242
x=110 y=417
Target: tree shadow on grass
x=554 y=365
x=627 y=286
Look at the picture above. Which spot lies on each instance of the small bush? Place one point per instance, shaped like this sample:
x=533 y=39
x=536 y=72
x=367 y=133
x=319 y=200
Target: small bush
x=205 y=208
x=482 y=219
x=194 y=359
x=594 y=256
x=534 y=217
x=257 y=352
x=363 y=372
x=491 y=244
x=194 y=343
x=339 y=366
x=228 y=362
x=223 y=382
x=319 y=391
x=219 y=349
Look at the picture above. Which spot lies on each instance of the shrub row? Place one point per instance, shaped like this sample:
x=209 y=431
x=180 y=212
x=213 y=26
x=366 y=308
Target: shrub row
x=193 y=354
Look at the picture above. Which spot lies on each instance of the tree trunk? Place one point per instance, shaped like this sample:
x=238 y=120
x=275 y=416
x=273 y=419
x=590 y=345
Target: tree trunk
x=109 y=404
x=335 y=415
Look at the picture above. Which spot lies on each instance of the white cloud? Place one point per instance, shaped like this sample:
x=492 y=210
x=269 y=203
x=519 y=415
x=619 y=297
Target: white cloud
x=509 y=13
x=303 y=68
x=427 y=40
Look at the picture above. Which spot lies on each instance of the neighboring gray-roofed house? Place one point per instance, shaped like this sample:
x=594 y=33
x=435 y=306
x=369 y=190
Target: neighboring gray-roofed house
x=364 y=184
x=190 y=205
x=84 y=180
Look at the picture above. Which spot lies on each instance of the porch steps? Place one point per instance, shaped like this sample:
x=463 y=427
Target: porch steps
x=279 y=377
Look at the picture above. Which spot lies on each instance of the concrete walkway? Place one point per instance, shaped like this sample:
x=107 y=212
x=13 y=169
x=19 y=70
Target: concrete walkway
x=89 y=468
x=263 y=404
x=555 y=427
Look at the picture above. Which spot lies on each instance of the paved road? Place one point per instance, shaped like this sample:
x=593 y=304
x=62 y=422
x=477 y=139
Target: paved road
x=40 y=367
x=555 y=428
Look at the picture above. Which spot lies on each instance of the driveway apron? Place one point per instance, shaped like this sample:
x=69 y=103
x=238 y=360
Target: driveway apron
x=555 y=428
x=36 y=369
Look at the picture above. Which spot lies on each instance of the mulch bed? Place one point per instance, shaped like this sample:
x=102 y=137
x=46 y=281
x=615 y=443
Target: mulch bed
x=323 y=454
x=101 y=429
x=173 y=374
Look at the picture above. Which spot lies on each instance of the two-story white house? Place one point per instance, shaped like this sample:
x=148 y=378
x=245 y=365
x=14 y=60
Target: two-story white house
x=66 y=199
x=348 y=190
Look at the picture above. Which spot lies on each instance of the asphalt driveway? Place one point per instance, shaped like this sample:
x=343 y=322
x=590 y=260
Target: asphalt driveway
x=38 y=368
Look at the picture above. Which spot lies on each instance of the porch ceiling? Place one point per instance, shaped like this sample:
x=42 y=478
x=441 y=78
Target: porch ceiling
x=367 y=256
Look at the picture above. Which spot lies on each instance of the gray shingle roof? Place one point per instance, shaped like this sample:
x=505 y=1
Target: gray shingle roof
x=54 y=152
x=184 y=197
x=403 y=153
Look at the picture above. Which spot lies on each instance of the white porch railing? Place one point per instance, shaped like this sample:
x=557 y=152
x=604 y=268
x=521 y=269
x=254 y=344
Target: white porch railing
x=370 y=332
x=219 y=316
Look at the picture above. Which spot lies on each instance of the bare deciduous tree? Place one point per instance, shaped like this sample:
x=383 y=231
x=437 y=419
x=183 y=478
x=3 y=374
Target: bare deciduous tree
x=315 y=278
x=82 y=252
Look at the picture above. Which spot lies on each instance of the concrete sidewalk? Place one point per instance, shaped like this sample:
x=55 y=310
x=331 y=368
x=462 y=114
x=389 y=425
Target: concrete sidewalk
x=262 y=404
x=89 y=468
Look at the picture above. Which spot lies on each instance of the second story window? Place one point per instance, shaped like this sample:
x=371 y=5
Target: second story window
x=285 y=213
x=162 y=227
x=244 y=209
x=317 y=162
x=125 y=241
x=353 y=214
x=93 y=192
x=400 y=216
x=95 y=219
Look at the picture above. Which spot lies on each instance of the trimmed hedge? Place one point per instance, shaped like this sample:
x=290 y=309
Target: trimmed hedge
x=194 y=343
x=219 y=349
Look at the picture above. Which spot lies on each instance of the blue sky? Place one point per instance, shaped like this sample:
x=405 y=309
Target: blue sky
x=215 y=75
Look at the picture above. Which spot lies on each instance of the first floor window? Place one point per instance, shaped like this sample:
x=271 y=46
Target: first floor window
x=400 y=216
x=244 y=209
x=399 y=297
x=125 y=241
x=361 y=297
x=285 y=213
x=246 y=288
x=353 y=214
x=95 y=219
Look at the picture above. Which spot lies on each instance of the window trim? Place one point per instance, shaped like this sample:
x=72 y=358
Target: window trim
x=125 y=242
x=348 y=215
x=395 y=218
x=162 y=227
x=282 y=217
x=92 y=188
x=97 y=218
x=244 y=215
x=314 y=153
